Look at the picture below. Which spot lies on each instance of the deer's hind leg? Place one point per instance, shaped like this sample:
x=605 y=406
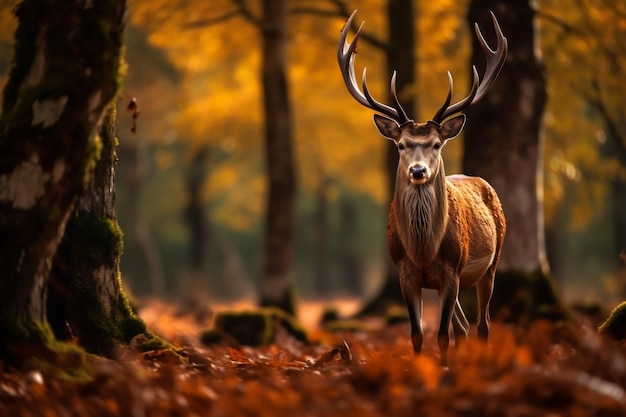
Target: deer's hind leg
x=459 y=324
x=484 y=290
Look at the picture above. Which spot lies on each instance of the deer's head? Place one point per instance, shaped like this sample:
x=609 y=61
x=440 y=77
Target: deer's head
x=420 y=144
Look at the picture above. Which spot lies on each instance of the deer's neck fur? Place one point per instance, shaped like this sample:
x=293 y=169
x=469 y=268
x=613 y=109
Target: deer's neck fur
x=421 y=215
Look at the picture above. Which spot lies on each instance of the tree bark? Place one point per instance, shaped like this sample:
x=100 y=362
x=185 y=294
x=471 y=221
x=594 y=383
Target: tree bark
x=85 y=285
x=278 y=271
x=503 y=143
x=503 y=139
x=53 y=105
x=197 y=223
x=321 y=256
x=400 y=58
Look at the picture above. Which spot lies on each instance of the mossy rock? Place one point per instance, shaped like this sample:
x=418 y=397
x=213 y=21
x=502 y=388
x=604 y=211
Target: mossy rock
x=212 y=337
x=330 y=314
x=348 y=325
x=252 y=328
x=396 y=315
x=615 y=325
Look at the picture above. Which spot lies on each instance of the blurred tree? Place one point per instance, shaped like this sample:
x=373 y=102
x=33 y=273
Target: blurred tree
x=54 y=102
x=588 y=127
x=399 y=56
x=197 y=222
x=277 y=279
x=503 y=144
x=153 y=81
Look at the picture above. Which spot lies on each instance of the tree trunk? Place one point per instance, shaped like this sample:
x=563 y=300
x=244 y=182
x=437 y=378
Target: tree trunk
x=399 y=58
x=278 y=271
x=86 y=296
x=321 y=243
x=53 y=104
x=197 y=223
x=503 y=144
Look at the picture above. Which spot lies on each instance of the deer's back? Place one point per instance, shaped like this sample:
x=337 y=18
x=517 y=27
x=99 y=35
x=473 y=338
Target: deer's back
x=476 y=212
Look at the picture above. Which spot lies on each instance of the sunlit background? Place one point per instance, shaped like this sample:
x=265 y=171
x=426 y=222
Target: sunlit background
x=196 y=79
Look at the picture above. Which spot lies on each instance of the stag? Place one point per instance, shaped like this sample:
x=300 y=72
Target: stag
x=444 y=233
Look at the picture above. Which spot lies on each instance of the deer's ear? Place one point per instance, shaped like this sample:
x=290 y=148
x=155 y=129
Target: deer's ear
x=452 y=127
x=387 y=127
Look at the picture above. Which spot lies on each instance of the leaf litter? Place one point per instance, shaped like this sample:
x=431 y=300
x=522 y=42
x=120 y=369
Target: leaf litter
x=548 y=369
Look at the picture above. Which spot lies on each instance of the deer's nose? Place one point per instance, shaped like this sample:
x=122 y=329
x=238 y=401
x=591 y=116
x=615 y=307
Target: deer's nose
x=417 y=172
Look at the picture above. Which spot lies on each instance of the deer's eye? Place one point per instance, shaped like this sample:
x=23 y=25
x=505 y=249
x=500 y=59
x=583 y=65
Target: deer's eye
x=400 y=146
x=437 y=146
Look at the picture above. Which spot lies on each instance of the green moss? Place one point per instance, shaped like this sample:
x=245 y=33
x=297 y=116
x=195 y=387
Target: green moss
x=103 y=236
x=348 y=325
x=615 y=324
x=328 y=315
x=94 y=153
x=154 y=343
x=64 y=360
x=251 y=328
x=212 y=337
x=255 y=327
x=396 y=315
x=26 y=332
x=31 y=345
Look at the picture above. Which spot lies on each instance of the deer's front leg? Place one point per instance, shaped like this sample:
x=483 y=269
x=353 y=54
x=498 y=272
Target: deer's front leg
x=413 y=300
x=449 y=294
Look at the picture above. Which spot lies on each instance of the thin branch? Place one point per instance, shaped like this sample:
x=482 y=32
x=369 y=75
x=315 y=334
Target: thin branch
x=247 y=13
x=611 y=123
x=315 y=12
x=343 y=12
x=556 y=20
x=213 y=21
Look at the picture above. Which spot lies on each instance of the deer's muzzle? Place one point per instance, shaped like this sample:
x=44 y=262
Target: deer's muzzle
x=419 y=174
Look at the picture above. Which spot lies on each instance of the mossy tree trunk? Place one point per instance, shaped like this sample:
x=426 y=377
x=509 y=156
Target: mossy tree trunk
x=503 y=143
x=63 y=77
x=86 y=297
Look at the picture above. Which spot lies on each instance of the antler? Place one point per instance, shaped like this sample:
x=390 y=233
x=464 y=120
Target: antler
x=345 y=55
x=495 y=62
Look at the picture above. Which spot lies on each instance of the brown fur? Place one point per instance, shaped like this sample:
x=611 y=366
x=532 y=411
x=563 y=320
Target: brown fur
x=444 y=234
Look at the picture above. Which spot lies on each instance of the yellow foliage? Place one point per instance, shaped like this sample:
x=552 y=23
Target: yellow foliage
x=241 y=196
x=8 y=25
x=218 y=98
x=584 y=51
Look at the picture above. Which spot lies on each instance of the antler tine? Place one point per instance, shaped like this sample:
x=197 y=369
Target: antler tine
x=495 y=59
x=402 y=117
x=438 y=117
x=447 y=110
x=495 y=62
x=345 y=55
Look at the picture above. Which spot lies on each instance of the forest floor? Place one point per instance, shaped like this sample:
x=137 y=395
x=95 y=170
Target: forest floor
x=546 y=370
